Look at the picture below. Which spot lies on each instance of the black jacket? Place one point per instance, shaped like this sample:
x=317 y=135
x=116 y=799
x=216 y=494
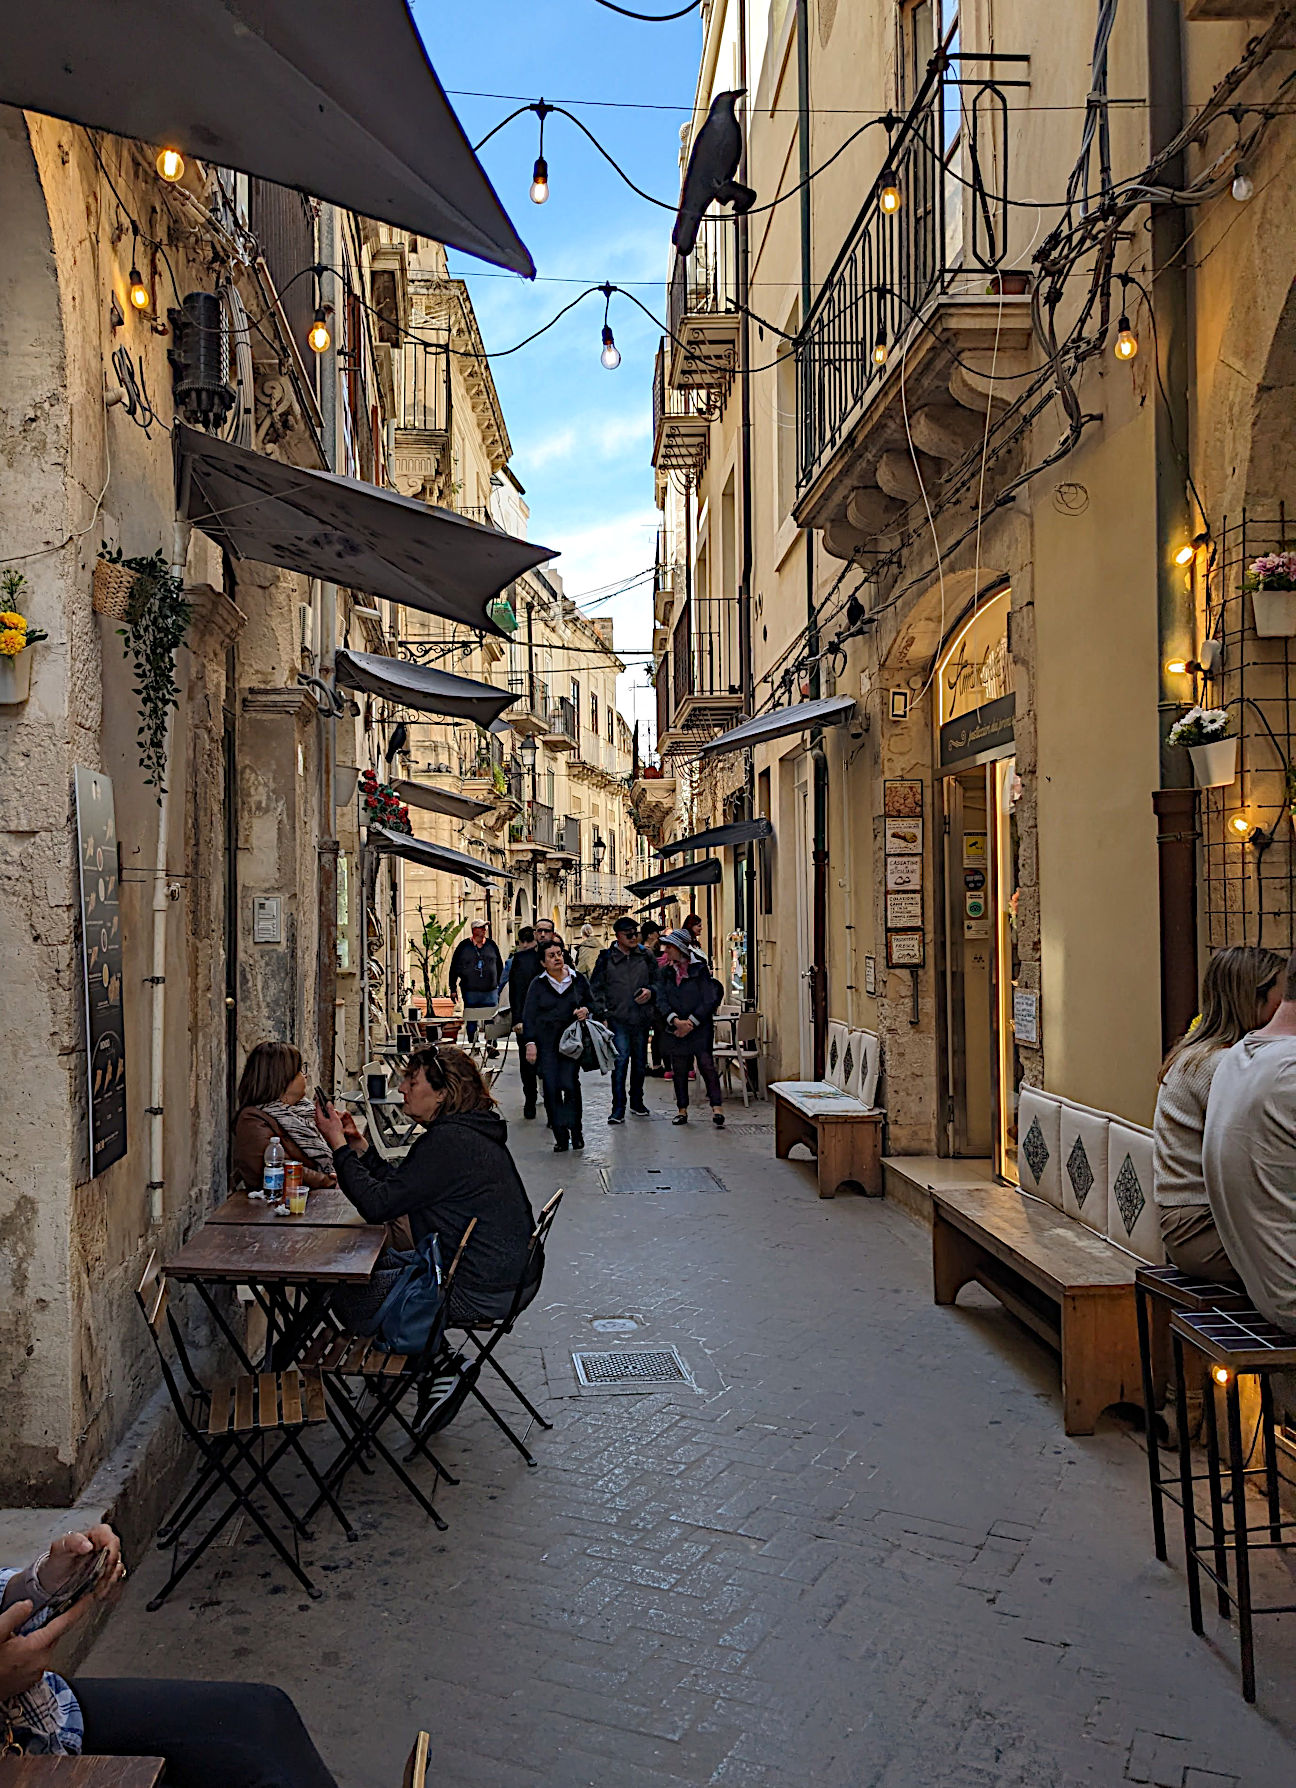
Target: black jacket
x=523 y=970
x=476 y=971
x=460 y=1168
x=618 y=976
x=696 y=996
x=547 y=1014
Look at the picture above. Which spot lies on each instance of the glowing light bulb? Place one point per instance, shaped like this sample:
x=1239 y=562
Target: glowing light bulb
x=1221 y=1374
x=880 y=350
x=1240 y=824
x=139 y=292
x=540 y=181
x=1126 y=343
x=170 y=164
x=319 y=337
x=889 y=197
x=1186 y=554
x=611 y=355
x=1177 y=667
x=1243 y=185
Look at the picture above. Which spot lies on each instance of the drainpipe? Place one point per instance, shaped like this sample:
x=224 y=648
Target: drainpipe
x=745 y=644
x=326 y=648
x=1175 y=801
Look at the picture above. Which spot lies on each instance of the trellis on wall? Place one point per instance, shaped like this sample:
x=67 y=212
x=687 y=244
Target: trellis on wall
x=1248 y=859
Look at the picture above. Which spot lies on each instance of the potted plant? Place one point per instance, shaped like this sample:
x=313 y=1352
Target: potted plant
x=16 y=635
x=1271 y=580
x=157 y=619
x=1205 y=733
x=382 y=805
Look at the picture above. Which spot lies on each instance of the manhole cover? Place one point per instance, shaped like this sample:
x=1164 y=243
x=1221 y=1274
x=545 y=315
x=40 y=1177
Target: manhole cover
x=667 y=1179
x=613 y=1325
x=631 y=1366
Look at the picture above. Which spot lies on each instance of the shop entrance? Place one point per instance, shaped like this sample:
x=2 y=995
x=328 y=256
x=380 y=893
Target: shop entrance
x=978 y=796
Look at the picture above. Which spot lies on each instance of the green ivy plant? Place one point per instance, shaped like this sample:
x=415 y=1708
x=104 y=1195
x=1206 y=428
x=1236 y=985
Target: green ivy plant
x=156 y=623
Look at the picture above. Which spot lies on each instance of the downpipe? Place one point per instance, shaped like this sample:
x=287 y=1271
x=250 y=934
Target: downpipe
x=157 y=976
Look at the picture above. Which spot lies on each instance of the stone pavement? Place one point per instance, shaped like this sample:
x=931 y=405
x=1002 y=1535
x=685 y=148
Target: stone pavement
x=861 y=1554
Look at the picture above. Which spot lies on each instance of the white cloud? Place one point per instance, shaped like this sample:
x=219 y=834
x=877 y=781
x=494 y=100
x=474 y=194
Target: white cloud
x=609 y=438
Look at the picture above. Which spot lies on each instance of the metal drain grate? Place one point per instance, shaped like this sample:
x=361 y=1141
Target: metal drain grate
x=667 y=1179
x=631 y=1366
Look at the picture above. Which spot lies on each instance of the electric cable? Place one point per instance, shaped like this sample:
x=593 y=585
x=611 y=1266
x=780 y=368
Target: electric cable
x=651 y=18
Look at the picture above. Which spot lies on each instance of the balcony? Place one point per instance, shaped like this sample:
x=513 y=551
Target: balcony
x=561 y=728
x=652 y=797
x=917 y=292
x=421 y=462
x=668 y=580
x=681 y=424
x=532 y=835
x=702 y=310
x=596 y=891
x=566 y=845
x=702 y=693
x=530 y=710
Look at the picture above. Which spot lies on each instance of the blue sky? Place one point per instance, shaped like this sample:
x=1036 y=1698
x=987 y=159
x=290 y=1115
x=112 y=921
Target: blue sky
x=581 y=435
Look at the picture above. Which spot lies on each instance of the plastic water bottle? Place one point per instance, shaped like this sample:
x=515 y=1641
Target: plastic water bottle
x=272 y=1173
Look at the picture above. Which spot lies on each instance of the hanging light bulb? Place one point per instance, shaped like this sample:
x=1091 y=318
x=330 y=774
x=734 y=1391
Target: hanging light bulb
x=319 y=337
x=1240 y=824
x=1126 y=344
x=880 y=349
x=1243 y=185
x=889 y=197
x=170 y=164
x=139 y=292
x=540 y=181
x=611 y=355
x=1186 y=554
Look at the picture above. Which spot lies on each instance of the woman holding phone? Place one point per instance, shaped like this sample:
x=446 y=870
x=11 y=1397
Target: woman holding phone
x=212 y=1734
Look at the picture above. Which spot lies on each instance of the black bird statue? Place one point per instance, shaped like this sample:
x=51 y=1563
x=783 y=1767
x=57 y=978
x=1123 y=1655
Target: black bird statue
x=398 y=742
x=709 y=177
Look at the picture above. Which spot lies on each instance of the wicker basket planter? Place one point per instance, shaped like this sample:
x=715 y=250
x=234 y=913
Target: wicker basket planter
x=111 y=590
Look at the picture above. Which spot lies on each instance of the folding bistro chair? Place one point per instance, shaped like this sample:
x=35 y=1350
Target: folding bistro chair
x=227 y=1424
x=389 y=1139
x=342 y=1359
x=742 y=1050
x=432 y=1421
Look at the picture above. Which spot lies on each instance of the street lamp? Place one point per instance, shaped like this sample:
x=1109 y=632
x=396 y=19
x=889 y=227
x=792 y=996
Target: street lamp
x=527 y=754
x=598 y=852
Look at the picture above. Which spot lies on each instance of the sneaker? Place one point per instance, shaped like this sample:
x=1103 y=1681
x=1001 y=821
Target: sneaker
x=681 y=1117
x=641 y=1111
x=560 y=1147
x=614 y=1119
x=717 y=1118
x=577 y=1141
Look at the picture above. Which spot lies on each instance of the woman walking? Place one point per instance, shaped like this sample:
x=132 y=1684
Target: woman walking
x=1240 y=992
x=687 y=996
x=558 y=995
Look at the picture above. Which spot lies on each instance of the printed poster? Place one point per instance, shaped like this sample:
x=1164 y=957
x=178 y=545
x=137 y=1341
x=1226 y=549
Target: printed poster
x=101 y=959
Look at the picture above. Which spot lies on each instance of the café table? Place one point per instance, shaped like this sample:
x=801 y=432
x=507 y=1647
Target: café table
x=326 y=1207
x=81 y=1772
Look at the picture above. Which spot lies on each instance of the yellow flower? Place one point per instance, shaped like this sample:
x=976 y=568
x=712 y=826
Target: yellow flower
x=12 y=641
x=11 y=618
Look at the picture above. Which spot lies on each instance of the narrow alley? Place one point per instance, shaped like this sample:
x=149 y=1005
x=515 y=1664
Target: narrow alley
x=860 y=1553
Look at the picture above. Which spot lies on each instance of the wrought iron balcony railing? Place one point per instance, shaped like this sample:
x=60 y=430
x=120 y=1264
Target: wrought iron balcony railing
x=681 y=424
x=425 y=388
x=702 y=308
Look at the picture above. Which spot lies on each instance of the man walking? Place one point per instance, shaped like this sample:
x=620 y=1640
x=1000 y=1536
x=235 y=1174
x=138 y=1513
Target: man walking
x=523 y=970
x=622 y=985
x=476 y=968
x=588 y=950
x=1249 y=1159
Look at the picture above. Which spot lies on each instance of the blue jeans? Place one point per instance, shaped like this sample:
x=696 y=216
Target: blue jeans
x=631 y=1044
x=477 y=999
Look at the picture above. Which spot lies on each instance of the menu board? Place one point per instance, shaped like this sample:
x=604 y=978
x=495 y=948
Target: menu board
x=902 y=846
x=101 y=962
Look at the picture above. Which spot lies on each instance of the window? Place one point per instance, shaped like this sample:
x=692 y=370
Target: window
x=594 y=712
x=611 y=726
x=575 y=695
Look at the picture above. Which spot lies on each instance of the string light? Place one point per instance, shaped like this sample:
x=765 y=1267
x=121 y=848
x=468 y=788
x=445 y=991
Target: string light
x=540 y=181
x=1240 y=824
x=319 y=337
x=889 y=197
x=611 y=355
x=139 y=292
x=880 y=349
x=1190 y=548
x=170 y=164
x=1126 y=344
x=1243 y=186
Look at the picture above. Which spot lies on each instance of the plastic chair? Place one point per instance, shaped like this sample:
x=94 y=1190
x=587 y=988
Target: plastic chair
x=744 y=1049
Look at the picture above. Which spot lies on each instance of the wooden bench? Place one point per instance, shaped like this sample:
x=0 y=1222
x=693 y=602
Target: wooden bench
x=1065 y=1282
x=844 y=1136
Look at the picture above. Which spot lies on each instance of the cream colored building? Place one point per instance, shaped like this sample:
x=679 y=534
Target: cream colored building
x=904 y=472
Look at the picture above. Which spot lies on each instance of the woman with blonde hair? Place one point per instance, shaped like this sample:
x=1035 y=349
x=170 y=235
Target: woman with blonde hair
x=1241 y=990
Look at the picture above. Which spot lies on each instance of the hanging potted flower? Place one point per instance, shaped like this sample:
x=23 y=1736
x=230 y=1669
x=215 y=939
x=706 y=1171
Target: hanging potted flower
x=1205 y=733
x=1271 y=580
x=16 y=635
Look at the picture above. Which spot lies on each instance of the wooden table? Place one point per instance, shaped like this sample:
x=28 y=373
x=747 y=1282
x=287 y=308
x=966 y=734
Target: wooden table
x=285 y=1253
x=328 y=1208
x=81 y=1772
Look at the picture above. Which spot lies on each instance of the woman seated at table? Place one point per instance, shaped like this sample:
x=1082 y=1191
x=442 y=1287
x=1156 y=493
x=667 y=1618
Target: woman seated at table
x=212 y=1734
x=459 y=1169
x=272 y=1102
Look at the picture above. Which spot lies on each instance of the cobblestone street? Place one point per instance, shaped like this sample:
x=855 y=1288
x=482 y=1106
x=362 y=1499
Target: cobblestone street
x=860 y=1552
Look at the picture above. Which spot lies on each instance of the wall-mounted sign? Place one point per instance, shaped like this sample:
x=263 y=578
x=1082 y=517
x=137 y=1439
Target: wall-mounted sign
x=978 y=735
x=902 y=798
x=267 y=919
x=903 y=911
x=974 y=850
x=870 y=974
x=899 y=704
x=101 y=960
x=974 y=880
x=903 y=837
x=1025 y=1016
x=903 y=873
x=906 y=949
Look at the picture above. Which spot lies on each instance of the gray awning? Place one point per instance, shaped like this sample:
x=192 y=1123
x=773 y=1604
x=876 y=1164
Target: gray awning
x=335 y=99
x=347 y=531
x=688 y=875
x=832 y=710
x=420 y=686
x=441 y=800
x=740 y=832
x=433 y=856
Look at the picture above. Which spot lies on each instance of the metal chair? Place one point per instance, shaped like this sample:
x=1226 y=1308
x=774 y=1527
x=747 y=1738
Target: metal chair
x=417 y=1767
x=742 y=1051
x=225 y=1423
x=391 y=1141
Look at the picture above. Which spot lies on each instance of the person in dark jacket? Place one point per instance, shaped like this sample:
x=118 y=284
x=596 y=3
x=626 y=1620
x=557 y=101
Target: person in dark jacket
x=459 y=1168
x=557 y=996
x=687 y=996
x=622 y=985
x=524 y=966
x=476 y=970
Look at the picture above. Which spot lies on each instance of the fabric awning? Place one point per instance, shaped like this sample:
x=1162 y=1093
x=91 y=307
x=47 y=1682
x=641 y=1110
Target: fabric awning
x=441 y=800
x=337 y=100
x=740 y=832
x=349 y=532
x=688 y=875
x=433 y=856
x=831 y=710
x=420 y=686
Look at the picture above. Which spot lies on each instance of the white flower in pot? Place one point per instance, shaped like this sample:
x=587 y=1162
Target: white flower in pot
x=1205 y=734
x=1271 y=580
x=17 y=636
